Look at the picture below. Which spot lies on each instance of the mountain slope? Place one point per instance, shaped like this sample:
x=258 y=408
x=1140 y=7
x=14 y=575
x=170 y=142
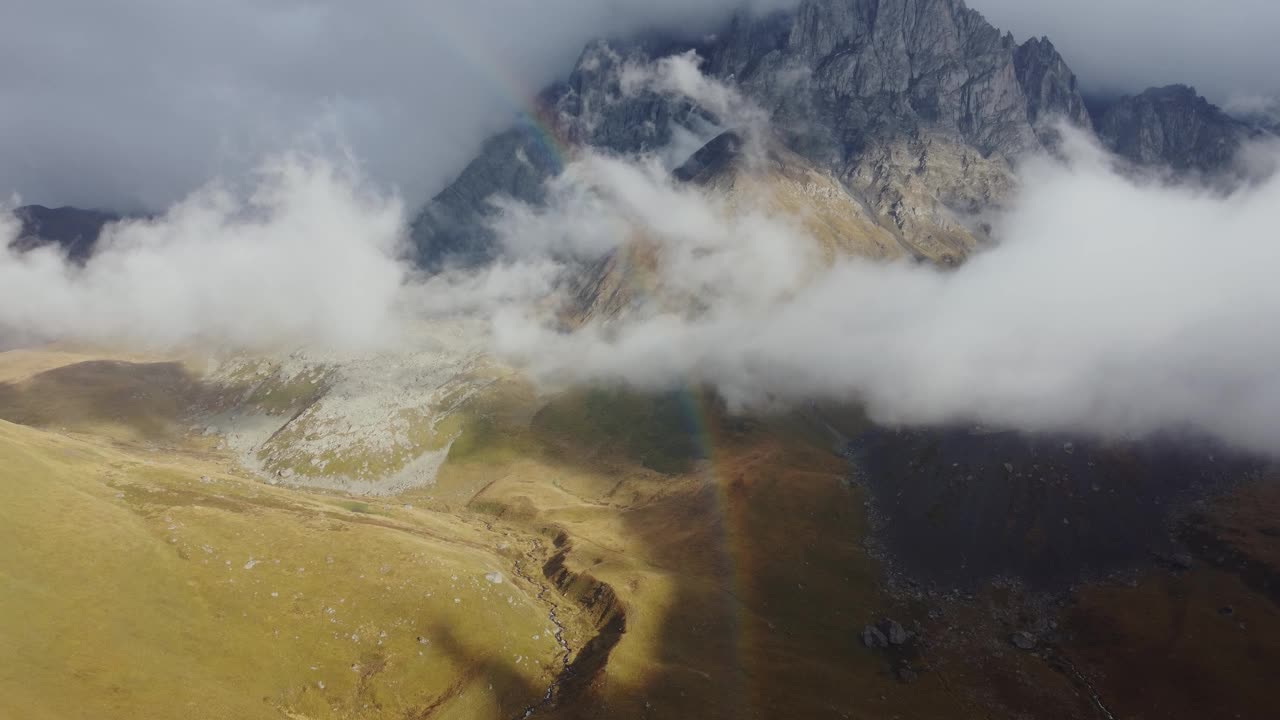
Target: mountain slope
x=147 y=575
x=835 y=219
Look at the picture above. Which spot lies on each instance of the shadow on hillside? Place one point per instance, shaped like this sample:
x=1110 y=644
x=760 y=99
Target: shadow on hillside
x=148 y=398
x=763 y=538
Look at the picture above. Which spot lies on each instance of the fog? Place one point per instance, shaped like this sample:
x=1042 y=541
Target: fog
x=1110 y=303
x=307 y=252
x=1226 y=49
x=134 y=104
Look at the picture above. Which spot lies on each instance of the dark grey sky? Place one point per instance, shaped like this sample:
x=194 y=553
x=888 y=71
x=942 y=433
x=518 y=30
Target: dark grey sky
x=133 y=103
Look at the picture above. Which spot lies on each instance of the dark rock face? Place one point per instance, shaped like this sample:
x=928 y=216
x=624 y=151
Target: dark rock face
x=842 y=80
x=1051 y=88
x=74 y=230
x=1172 y=126
x=712 y=160
x=453 y=226
x=845 y=73
x=589 y=109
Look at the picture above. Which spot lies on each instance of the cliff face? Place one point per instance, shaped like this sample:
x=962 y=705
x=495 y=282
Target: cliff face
x=916 y=106
x=1172 y=126
x=913 y=107
x=1049 y=85
x=856 y=71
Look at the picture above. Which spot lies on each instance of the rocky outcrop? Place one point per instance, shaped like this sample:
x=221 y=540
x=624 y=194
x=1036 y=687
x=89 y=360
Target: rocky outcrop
x=1051 y=89
x=848 y=84
x=902 y=222
x=453 y=226
x=588 y=109
x=843 y=74
x=74 y=230
x=1171 y=126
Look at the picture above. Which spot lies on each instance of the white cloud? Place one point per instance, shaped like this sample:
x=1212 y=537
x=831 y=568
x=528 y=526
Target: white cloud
x=309 y=253
x=137 y=103
x=1113 y=305
x=681 y=76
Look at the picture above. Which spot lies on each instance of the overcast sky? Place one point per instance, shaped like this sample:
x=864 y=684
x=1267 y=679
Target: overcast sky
x=134 y=103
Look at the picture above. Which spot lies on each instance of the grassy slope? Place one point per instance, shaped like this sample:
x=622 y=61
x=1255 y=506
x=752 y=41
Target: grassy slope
x=746 y=584
x=127 y=591
x=741 y=572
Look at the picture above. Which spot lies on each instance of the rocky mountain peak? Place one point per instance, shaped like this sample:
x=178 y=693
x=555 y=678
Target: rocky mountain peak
x=867 y=69
x=1172 y=126
x=851 y=86
x=1050 y=86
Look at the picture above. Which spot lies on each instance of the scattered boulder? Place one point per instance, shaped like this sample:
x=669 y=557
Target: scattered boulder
x=896 y=633
x=494 y=577
x=873 y=638
x=906 y=675
x=1023 y=641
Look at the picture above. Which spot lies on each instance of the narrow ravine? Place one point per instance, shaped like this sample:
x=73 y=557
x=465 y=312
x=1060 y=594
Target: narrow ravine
x=565 y=657
x=602 y=608
x=1062 y=664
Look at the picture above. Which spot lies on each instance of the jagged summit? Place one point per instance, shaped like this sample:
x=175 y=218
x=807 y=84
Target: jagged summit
x=916 y=107
x=1051 y=88
x=1174 y=126
x=863 y=89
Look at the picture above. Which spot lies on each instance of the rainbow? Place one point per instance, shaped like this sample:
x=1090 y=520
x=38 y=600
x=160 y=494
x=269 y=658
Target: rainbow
x=532 y=117
x=539 y=125
x=700 y=417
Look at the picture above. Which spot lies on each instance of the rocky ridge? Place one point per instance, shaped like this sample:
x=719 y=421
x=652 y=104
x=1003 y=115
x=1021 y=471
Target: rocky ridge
x=916 y=109
x=1172 y=126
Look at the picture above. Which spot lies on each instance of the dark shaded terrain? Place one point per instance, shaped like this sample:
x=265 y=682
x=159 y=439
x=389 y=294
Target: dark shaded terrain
x=74 y=230
x=958 y=507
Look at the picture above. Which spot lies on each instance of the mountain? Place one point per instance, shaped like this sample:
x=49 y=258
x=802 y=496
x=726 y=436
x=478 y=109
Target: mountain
x=1172 y=126
x=914 y=108
x=419 y=530
x=75 y=230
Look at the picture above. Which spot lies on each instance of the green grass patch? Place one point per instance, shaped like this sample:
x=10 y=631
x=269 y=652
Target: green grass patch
x=659 y=431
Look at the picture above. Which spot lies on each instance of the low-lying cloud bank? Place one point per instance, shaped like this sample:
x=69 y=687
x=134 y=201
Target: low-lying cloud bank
x=1111 y=304
x=307 y=253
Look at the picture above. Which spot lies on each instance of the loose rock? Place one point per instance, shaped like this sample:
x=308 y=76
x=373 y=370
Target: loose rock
x=873 y=638
x=896 y=633
x=1022 y=641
